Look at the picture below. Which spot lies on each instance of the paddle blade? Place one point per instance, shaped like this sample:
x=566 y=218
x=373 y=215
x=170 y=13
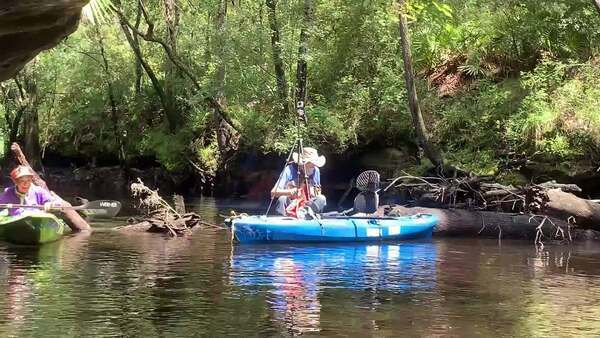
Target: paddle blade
x=101 y=208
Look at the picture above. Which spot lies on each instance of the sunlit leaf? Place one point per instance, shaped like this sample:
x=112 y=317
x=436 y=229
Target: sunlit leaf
x=97 y=11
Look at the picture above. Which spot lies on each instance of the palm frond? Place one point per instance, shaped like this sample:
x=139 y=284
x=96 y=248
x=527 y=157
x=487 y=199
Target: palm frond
x=97 y=11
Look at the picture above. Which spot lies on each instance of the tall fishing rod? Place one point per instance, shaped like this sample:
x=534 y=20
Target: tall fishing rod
x=289 y=158
x=300 y=118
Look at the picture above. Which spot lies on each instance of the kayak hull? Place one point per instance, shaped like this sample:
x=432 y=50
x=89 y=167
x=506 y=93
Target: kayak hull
x=261 y=229
x=31 y=228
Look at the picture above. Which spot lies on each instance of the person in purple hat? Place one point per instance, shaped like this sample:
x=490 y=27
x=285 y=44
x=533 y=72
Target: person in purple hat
x=24 y=192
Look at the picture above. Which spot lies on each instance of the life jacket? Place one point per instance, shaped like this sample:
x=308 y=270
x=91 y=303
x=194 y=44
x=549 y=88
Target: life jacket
x=297 y=203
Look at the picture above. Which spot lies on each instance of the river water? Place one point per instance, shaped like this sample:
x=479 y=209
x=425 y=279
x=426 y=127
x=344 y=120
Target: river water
x=109 y=284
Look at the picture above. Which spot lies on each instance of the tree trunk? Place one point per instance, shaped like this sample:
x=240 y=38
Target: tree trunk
x=31 y=130
x=153 y=79
x=220 y=27
x=111 y=99
x=210 y=101
x=31 y=139
x=282 y=85
x=227 y=137
x=15 y=123
x=172 y=17
x=172 y=22
x=563 y=209
x=431 y=151
x=302 y=68
x=138 y=65
x=207 y=57
x=597 y=4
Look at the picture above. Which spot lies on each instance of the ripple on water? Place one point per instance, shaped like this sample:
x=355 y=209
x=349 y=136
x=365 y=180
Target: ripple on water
x=111 y=284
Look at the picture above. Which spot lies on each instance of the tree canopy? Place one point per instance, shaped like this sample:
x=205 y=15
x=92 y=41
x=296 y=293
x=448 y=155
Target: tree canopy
x=191 y=84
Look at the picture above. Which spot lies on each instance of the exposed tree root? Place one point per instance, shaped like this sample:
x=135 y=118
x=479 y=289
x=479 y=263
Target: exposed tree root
x=474 y=205
x=160 y=217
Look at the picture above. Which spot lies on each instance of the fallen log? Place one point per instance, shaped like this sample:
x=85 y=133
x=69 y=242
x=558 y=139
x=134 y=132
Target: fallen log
x=564 y=187
x=487 y=224
x=555 y=200
x=563 y=205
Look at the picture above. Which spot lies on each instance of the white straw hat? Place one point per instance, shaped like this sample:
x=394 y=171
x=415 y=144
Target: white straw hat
x=309 y=155
x=21 y=171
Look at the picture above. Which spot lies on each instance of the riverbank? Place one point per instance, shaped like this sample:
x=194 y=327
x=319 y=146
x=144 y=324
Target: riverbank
x=251 y=175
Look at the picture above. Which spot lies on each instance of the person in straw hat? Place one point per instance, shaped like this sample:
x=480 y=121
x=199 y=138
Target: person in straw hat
x=24 y=192
x=292 y=192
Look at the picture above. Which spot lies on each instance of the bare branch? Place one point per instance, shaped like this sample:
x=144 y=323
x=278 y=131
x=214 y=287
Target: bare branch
x=149 y=36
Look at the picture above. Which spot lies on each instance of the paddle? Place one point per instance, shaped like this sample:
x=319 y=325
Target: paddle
x=99 y=208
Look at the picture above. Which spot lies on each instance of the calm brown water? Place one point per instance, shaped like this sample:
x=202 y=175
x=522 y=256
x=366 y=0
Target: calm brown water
x=110 y=284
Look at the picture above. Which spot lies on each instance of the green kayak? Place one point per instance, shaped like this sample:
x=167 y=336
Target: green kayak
x=31 y=228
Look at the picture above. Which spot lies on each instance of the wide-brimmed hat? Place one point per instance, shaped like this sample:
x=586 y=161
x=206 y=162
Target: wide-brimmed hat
x=309 y=155
x=21 y=171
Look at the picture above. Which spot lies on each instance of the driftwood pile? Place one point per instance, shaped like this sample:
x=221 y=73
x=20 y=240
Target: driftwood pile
x=478 y=193
x=161 y=221
x=160 y=216
x=477 y=206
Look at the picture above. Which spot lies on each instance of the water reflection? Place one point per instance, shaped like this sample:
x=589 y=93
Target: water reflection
x=30 y=273
x=297 y=275
x=295 y=300
x=114 y=284
x=18 y=289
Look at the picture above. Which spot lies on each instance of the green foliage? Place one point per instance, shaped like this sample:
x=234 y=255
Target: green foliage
x=331 y=128
x=167 y=148
x=560 y=111
x=476 y=119
x=513 y=178
x=97 y=11
x=478 y=161
x=207 y=155
x=2 y=141
x=528 y=74
x=558 y=147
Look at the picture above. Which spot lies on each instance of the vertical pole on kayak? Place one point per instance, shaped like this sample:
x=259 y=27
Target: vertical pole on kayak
x=301 y=118
x=74 y=220
x=289 y=158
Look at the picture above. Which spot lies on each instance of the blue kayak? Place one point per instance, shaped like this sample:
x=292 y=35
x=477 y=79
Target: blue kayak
x=262 y=229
